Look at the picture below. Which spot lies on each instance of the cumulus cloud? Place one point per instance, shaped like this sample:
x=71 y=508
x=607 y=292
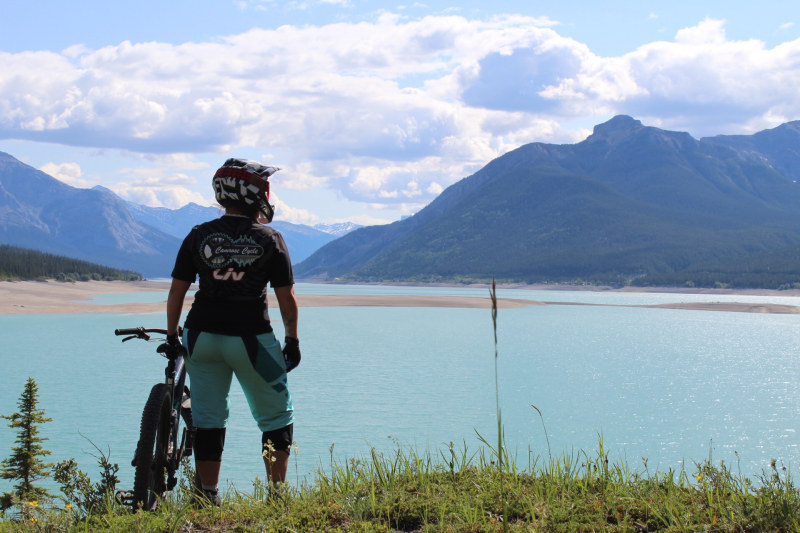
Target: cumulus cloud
x=69 y=173
x=295 y=215
x=387 y=112
x=159 y=186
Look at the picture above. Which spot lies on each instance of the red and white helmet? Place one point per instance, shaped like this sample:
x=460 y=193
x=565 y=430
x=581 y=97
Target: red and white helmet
x=244 y=182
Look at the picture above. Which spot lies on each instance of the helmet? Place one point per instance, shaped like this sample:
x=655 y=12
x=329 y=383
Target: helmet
x=244 y=182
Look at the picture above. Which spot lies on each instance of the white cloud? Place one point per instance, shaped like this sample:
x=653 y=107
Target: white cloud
x=169 y=196
x=707 y=32
x=387 y=112
x=295 y=215
x=161 y=186
x=69 y=173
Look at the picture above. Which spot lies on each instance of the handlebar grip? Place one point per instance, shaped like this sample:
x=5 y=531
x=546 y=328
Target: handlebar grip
x=127 y=331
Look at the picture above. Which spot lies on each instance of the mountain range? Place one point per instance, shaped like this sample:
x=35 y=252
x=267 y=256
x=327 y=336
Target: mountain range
x=302 y=240
x=631 y=204
x=41 y=213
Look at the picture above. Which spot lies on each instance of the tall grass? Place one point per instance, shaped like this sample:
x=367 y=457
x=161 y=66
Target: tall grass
x=457 y=489
x=499 y=451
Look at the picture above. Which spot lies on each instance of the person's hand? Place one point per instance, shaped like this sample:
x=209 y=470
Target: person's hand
x=291 y=353
x=172 y=347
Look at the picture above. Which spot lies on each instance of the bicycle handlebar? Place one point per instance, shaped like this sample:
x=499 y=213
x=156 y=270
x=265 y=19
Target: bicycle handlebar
x=138 y=333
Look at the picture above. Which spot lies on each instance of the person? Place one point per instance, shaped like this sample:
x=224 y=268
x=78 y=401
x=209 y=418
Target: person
x=227 y=330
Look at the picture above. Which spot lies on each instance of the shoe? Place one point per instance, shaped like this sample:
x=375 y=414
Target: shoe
x=204 y=497
x=210 y=497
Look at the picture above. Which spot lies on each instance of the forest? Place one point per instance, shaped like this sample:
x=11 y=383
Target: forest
x=24 y=264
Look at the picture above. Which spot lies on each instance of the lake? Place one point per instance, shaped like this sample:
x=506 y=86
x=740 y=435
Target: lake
x=674 y=386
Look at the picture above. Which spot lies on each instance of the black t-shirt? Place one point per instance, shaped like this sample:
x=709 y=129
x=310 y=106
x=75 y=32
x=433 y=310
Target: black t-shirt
x=235 y=258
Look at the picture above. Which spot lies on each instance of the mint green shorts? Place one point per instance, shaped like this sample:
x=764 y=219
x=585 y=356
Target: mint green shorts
x=260 y=368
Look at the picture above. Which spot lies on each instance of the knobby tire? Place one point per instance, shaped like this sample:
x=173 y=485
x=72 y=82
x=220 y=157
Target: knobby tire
x=150 y=477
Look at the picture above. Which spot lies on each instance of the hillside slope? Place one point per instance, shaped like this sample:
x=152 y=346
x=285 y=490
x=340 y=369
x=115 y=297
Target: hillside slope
x=39 y=212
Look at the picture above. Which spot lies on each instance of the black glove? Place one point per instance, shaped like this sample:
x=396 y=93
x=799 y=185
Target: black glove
x=173 y=346
x=291 y=353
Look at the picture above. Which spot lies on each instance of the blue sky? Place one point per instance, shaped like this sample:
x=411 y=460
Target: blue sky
x=371 y=108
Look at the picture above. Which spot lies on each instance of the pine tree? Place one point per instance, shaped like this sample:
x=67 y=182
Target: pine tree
x=25 y=464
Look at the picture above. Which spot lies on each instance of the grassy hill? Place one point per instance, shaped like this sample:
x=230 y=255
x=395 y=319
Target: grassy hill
x=462 y=490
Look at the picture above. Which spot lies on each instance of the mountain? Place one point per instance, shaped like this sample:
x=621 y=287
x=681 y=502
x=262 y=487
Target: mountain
x=39 y=212
x=302 y=240
x=337 y=229
x=175 y=222
x=630 y=204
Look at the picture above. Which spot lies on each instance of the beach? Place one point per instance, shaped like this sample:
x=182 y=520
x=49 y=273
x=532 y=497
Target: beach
x=52 y=297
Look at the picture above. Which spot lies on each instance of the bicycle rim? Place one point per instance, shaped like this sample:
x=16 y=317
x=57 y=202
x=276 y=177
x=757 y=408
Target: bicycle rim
x=149 y=482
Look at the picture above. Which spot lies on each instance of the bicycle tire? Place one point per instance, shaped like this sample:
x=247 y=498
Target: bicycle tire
x=150 y=476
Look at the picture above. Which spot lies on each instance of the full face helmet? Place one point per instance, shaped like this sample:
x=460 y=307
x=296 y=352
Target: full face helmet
x=244 y=183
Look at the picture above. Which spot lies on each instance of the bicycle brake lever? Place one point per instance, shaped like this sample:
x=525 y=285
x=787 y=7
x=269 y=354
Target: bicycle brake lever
x=144 y=336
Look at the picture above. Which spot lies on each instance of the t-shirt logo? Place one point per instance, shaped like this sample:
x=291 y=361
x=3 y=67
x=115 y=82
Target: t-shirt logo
x=219 y=250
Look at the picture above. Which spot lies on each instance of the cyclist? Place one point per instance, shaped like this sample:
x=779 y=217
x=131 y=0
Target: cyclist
x=227 y=330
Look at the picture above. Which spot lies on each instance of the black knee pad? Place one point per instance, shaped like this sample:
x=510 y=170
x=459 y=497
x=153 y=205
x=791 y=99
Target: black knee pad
x=280 y=439
x=208 y=444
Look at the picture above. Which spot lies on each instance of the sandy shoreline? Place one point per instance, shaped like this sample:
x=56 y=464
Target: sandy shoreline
x=51 y=297
x=46 y=297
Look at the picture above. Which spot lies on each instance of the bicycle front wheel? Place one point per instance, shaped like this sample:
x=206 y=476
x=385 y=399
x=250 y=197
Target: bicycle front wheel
x=150 y=478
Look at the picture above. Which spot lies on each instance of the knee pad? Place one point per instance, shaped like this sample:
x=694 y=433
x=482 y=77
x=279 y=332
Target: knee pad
x=208 y=444
x=280 y=439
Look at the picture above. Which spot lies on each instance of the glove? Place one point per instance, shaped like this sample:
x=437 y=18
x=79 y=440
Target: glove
x=173 y=347
x=291 y=353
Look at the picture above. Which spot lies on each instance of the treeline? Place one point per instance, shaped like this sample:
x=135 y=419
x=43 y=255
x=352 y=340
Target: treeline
x=23 y=264
x=774 y=269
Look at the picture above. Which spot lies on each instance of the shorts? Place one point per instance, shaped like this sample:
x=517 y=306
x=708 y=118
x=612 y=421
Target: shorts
x=257 y=361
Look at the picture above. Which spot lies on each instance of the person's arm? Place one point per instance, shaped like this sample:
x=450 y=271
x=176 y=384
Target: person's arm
x=177 y=292
x=287 y=302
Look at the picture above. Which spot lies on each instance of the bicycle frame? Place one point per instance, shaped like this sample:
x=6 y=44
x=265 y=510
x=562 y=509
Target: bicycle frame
x=175 y=378
x=168 y=455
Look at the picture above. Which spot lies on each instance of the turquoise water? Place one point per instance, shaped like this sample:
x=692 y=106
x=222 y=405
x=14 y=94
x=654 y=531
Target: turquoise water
x=669 y=385
x=129 y=298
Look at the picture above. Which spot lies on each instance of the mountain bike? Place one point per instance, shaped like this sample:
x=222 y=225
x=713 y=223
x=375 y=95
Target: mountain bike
x=165 y=434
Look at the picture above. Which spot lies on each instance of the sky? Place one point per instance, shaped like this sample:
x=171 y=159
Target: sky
x=370 y=108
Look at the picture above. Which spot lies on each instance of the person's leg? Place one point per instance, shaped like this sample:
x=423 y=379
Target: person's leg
x=209 y=444
x=276 y=446
x=277 y=468
x=210 y=381
x=261 y=371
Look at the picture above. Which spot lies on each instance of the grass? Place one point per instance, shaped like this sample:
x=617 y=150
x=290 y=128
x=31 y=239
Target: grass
x=460 y=490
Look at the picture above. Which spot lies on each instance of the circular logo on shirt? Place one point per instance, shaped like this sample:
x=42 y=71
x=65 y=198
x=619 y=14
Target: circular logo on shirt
x=219 y=250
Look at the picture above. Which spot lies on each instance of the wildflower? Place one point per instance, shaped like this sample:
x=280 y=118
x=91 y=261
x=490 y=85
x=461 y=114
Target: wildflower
x=34 y=503
x=699 y=477
x=34 y=520
x=68 y=506
x=269 y=451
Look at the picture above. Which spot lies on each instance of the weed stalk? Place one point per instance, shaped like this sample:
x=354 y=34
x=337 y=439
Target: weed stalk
x=500 y=452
